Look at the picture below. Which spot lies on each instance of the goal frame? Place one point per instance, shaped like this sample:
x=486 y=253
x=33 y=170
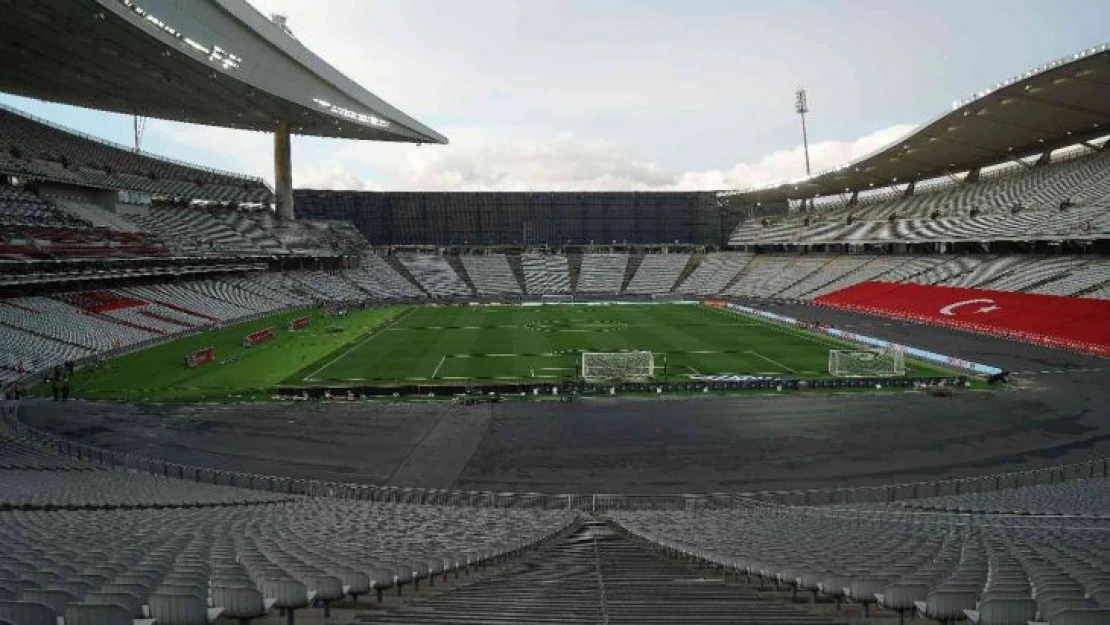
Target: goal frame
x=894 y=358
x=646 y=369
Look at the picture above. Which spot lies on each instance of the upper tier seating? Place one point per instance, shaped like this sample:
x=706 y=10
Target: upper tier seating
x=36 y=148
x=491 y=274
x=1012 y=202
x=602 y=273
x=192 y=231
x=546 y=274
x=23 y=208
x=657 y=273
x=435 y=275
x=95 y=215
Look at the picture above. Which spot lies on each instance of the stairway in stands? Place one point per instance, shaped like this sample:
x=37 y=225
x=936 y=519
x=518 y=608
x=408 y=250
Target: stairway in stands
x=516 y=264
x=596 y=575
x=691 y=265
x=456 y=263
x=635 y=259
x=574 y=268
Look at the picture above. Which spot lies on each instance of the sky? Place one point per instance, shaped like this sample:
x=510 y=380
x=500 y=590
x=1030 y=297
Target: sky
x=623 y=95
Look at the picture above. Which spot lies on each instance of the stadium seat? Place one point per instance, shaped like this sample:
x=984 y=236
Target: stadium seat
x=27 y=613
x=97 y=614
x=182 y=609
x=242 y=604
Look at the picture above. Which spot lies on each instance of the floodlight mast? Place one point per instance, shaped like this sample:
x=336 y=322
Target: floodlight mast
x=801 y=106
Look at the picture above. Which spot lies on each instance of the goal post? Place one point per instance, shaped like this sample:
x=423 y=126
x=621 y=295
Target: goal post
x=866 y=363
x=600 y=366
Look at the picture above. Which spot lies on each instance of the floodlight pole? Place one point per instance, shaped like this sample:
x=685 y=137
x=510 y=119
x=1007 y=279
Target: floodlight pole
x=801 y=106
x=283 y=172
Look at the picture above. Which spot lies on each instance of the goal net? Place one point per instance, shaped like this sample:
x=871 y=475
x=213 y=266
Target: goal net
x=598 y=366
x=866 y=363
x=557 y=299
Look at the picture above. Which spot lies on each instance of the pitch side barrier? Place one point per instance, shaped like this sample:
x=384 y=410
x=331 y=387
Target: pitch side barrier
x=584 y=502
x=914 y=352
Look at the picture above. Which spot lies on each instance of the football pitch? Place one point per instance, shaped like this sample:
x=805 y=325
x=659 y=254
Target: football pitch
x=518 y=343
x=457 y=345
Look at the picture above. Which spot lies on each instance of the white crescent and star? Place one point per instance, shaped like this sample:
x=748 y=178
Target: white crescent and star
x=989 y=305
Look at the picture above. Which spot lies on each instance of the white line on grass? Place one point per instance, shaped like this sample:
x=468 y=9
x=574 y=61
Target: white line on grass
x=441 y=359
x=773 y=362
x=312 y=376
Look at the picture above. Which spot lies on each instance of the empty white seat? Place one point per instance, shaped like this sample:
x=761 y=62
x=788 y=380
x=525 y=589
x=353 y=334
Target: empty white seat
x=173 y=609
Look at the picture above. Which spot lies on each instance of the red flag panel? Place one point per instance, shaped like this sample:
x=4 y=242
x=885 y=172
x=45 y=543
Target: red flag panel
x=1071 y=322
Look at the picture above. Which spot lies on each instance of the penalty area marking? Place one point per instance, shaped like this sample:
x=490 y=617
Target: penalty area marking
x=312 y=376
x=773 y=362
x=436 y=370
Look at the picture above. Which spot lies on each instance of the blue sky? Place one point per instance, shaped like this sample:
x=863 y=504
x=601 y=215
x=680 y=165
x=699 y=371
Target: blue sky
x=616 y=94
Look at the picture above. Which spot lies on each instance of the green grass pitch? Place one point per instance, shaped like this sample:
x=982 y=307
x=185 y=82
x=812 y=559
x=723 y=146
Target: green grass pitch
x=455 y=344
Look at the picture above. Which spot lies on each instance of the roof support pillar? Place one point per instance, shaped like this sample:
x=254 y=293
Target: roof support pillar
x=283 y=172
x=910 y=189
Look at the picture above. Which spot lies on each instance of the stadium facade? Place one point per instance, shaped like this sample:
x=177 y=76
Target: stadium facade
x=526 y=218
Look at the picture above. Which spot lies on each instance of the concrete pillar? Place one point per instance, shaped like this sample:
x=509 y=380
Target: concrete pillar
x=283 y=172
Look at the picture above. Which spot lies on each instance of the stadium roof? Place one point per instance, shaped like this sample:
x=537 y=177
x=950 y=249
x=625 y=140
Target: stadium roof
x=213 y=62
x=1059 y=104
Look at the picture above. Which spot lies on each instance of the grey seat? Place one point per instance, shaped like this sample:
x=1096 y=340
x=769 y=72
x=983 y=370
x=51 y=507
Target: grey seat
x=902 y=597
x=327 y=589
x=27 y=613
x=243 y=604
x=56 y=600
x=1081 y=616
x=130 y=602
x=946 y=606
x=170 y=609
x=996 y=611
x=864 y=591
x=290 y=595
x=94 y=614
x=355 y=583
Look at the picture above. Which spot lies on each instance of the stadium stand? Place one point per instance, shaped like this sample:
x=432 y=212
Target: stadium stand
x=435 y=275
x=380 y=280
x=491 y=274
x=715 y=272
x=1063 y=198
x=546 y=274
x=78 y=533
x=937 y=565
x=602 y=273
x=328 y=287
x=657 y=273
x=36 y=147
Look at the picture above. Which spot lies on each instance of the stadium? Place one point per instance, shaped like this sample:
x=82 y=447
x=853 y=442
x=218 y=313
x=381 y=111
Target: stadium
x=875 y=394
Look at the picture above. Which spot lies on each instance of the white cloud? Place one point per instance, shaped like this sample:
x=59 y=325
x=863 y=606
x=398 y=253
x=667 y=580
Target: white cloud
x=504 y=159
x=497 y=158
